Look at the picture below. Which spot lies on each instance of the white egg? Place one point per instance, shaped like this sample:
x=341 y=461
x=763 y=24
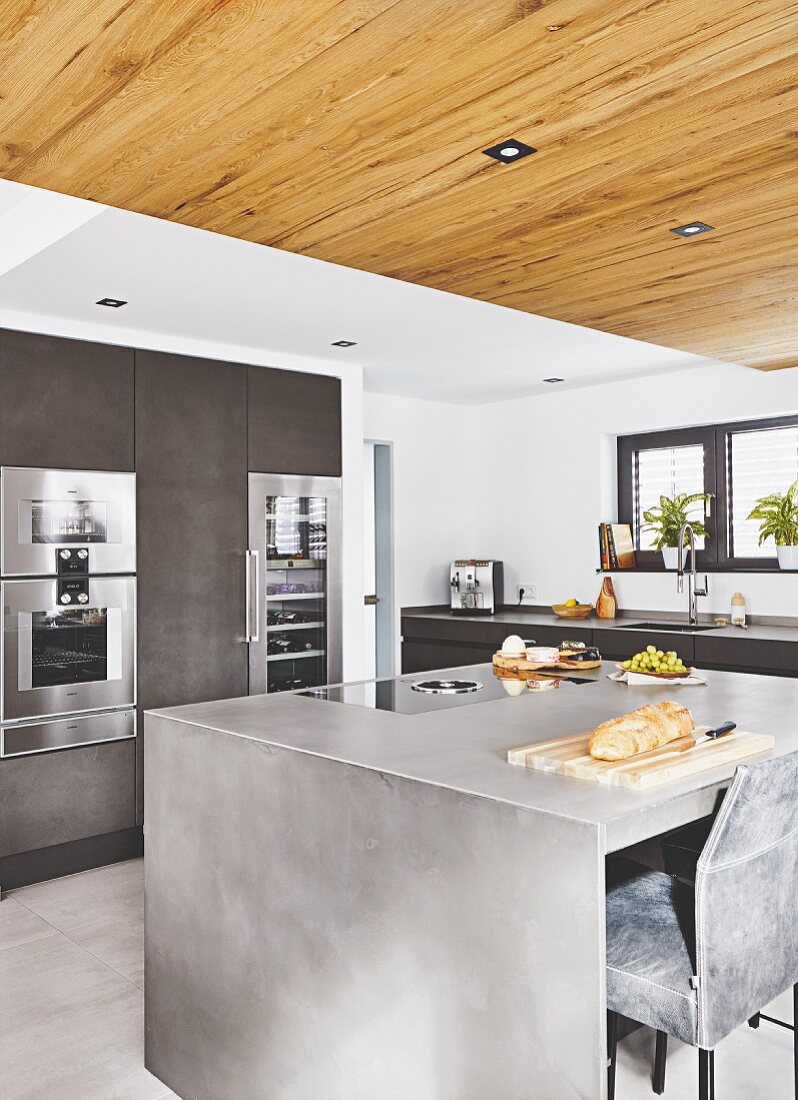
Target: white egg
x=513 y=647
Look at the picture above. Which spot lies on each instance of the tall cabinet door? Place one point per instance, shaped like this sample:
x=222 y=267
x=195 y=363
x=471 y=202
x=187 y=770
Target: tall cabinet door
x=191 y=466
x=293 y=582
x=294 y=422
x=65 y=404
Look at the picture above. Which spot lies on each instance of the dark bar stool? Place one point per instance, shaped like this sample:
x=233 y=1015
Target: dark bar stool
x=697 y=961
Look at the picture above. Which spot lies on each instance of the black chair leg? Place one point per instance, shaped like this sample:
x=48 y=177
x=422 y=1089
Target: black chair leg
x=612 y=1051
x=706 y=1075
x=660 y=1058
x=754 y=1021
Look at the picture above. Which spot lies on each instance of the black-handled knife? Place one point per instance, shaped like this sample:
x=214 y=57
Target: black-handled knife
x=720 y=731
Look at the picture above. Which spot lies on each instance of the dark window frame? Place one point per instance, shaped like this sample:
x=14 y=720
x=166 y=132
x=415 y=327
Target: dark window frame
x=716 y=440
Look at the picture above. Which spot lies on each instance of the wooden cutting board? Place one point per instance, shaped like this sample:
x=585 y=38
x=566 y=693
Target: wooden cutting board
x=678 y=760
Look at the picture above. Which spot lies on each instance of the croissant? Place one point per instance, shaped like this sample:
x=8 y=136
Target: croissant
x=644 y=729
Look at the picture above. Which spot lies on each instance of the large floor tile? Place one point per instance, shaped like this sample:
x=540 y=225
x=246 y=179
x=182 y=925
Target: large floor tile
x=18 y=925
x=72 y=1027
x=749 y=1065
x=102 y=910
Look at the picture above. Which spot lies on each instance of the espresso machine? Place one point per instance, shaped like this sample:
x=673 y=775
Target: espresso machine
x=477 y=586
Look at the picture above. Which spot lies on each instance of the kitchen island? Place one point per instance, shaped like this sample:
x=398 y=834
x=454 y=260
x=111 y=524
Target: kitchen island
x=358 y=899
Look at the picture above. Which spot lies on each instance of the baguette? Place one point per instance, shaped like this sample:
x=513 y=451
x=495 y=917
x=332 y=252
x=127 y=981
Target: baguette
x=644 y=729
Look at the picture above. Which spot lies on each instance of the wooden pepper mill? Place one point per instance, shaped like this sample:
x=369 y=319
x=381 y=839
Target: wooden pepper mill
x=607 y=602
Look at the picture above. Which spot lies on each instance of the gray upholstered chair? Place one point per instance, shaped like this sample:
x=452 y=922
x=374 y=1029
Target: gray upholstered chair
x=697 y=961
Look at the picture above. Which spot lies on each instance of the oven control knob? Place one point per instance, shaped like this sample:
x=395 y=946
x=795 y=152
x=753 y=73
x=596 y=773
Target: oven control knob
x=83 y=597
x=83 y=554
x=66 y=554
x=66 y=598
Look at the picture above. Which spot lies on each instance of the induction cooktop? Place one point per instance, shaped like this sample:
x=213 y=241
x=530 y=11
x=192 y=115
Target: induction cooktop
x=423 y=692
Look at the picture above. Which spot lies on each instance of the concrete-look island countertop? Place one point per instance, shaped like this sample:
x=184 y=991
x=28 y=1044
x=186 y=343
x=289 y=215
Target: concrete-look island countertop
x=351 y=902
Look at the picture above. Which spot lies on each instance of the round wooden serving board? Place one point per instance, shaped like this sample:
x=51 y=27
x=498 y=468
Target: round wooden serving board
x=520 y=665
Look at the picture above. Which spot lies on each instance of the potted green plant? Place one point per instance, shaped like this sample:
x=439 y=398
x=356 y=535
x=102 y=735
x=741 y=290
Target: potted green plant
x=666 y=519
x=778 y=520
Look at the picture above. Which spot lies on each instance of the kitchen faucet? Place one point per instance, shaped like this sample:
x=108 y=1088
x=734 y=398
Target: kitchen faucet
x=692 y=578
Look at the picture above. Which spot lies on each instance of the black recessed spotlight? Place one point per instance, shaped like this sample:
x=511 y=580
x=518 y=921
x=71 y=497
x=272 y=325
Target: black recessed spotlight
x=344 y=343
x=553 y=379
x=114 y=303
x=509 y=151
x=692 y=229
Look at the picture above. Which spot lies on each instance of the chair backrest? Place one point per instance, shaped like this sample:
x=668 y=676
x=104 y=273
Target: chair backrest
x=747 y=898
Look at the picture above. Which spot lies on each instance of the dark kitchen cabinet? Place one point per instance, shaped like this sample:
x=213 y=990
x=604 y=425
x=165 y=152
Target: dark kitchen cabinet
x=65 y=404
x=294 y=422
x=423 y=656
x=747 y=655
x=618 y=645
x=449 y=641
x=191 y=466
x=57 y=797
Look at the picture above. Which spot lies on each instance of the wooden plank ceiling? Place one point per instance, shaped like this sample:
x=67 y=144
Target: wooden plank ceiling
x=352 y=130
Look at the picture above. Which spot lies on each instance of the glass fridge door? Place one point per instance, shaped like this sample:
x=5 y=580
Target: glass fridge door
x=294 y=531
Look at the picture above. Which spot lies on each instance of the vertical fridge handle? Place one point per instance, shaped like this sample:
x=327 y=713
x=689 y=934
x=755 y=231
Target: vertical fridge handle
x=252 y=635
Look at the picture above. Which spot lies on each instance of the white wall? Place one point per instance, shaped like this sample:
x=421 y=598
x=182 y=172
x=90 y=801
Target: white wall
x=541 y=515
x=435 y=507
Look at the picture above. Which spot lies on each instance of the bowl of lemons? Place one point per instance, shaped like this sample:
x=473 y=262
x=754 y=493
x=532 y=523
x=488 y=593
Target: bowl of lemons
x=572 y=609
x=664 y=664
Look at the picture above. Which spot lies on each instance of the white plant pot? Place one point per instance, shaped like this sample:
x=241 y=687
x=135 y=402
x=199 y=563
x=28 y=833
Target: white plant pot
x=670 y=555
x=788 y=557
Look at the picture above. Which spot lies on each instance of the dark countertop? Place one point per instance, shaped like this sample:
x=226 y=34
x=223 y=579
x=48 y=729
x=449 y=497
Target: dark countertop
x=530 y=617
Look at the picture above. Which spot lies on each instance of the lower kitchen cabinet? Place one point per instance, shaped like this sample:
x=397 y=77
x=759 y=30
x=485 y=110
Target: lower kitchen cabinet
x=53 y=798
x=747 y=655
x=618 y=645
x=423 y=656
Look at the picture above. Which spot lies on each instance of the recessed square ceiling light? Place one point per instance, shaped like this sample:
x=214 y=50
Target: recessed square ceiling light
x=509 y=151
x=114 y=303
x=344 y=343
x=692 y=229
x=553 y=379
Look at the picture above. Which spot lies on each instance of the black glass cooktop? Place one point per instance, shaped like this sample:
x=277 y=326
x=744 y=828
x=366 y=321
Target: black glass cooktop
x=423 y=692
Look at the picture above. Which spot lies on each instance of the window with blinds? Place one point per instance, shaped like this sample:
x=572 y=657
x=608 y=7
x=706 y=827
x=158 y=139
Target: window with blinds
x=736 y=463
x=666 y=471
x=760 y=462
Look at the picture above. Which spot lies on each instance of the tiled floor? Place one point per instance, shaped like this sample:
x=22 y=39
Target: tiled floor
x=71 y=976
x=71 y=986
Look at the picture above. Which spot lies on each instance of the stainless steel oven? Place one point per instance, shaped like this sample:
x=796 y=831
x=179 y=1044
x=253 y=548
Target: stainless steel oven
x=45 y=512
x=68 y=646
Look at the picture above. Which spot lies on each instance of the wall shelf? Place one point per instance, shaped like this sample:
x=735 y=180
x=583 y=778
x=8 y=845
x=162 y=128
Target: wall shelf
x=710 y=567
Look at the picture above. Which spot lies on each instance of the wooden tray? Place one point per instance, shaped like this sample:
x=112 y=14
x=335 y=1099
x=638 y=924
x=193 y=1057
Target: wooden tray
x=678 y=760
x=520 y=665
x=581 y=611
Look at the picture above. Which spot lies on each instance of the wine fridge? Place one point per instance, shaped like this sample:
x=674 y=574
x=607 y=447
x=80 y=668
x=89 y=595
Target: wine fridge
x=293 y=584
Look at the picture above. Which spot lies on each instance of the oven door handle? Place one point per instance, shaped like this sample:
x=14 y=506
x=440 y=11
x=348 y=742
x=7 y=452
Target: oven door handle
x=252 y=556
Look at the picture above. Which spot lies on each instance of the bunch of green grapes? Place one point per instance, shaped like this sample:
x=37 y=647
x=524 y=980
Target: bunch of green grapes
x=652 y=659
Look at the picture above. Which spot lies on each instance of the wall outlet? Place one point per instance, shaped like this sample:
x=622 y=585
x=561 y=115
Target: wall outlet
x=530 y=592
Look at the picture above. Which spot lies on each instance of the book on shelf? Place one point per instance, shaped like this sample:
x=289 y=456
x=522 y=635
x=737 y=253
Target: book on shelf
x=616 y=546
